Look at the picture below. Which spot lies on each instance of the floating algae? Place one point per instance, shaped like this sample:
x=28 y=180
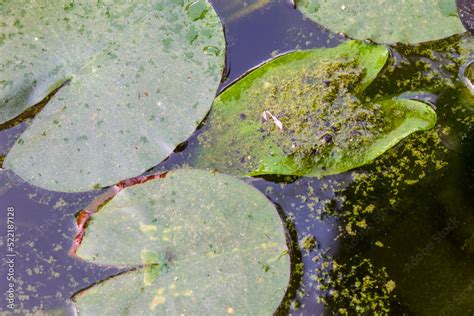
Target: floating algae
x=318 y=111
x=357 y=287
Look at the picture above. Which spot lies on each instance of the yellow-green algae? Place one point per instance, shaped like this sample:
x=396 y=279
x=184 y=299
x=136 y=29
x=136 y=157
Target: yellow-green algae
x=385 y=194
x=428 y=67
x=320 y=111
x=383 y=184
x=357 y=287
x=305 y=114
x=308 y=243
x=389 y=197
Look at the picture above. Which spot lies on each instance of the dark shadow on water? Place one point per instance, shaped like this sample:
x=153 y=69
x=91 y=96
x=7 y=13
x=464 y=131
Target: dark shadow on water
x=255 y=36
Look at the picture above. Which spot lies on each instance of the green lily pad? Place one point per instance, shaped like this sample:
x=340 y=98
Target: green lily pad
x=305 y=114
x=135 y=78
x=202 y=244
x=386 y=21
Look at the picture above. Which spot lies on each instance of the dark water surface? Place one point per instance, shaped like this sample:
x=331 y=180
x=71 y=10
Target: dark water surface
x=425 y=235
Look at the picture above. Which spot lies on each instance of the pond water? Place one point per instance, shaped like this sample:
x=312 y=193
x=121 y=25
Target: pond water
x=406 y=220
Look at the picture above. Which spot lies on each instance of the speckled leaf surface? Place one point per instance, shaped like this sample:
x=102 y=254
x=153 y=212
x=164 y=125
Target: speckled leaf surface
x=136 y=77
x=320 y=122
x=386 y=21
x=204 y=244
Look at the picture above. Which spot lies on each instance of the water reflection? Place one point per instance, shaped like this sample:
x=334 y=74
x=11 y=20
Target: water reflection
x=259 y=30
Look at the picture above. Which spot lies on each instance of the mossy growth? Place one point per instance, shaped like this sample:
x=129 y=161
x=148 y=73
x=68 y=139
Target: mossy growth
x=381 y=186
x=308 y=243
x=427 y=67
x=421 y=158
x=357 y=287
x=318 y=110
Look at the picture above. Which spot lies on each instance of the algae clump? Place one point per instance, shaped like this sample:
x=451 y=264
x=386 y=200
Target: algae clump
x=357 y=287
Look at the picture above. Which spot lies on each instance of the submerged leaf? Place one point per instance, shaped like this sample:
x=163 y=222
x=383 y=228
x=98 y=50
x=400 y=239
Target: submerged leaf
x=209 y=243
x=317 y=96
x=135 y=79
x=386 y=21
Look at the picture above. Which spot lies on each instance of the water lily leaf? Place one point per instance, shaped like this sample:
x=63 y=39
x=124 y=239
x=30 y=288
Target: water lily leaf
x=305 y=114
x=135 y=79
x=386 y=21
x=203 y=243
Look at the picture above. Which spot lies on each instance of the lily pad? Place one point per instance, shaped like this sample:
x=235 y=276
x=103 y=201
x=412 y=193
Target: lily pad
x=135 y=78
x=386 y=21
x=200 y=243
x=305 y=114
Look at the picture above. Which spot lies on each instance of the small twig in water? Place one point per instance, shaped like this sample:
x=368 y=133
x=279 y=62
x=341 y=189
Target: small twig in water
x=277 y=122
